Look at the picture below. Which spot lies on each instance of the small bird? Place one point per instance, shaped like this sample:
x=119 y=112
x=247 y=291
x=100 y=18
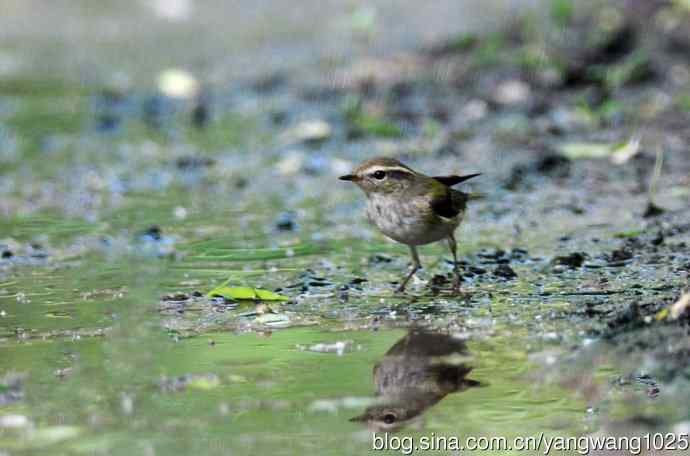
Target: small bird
x=416 y=373
x=412 y=208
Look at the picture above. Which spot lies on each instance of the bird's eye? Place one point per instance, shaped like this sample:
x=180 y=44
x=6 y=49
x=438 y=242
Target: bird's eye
x=379 y=175
x=389 y=418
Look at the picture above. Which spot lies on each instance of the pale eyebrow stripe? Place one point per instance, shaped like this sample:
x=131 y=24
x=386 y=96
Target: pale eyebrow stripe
x=389 y=168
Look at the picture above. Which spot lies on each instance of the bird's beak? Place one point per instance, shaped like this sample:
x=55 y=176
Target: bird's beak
x=467 y=177
x=348 y=177
x=358 y=419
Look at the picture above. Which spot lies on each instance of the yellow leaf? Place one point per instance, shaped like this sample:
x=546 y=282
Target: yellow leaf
x=663 y=313
x=244 y=293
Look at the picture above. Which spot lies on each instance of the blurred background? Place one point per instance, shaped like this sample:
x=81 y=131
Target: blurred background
x=219 y=40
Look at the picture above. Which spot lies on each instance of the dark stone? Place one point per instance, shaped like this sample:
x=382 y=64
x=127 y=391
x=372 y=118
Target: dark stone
x=38 y=251
x=477 y=271
x=504 y=271
x=201 y=113
x=653 y=210
x=154 y=110
x=493 y=254
x=175 y=297
x=278 y=117
x=110 y=97
x=7 y=254
x=286 y=221
x=553 y=165
x=540 y=106
x=367 y=87
x=621 y=254
x=154 y=233
x=308 y=279
x=518 y=254
x=438 y=281
x=401 y=89
x=630 y=317
x=241 y=182
x=379 y=258
x=191 y=162
x=107 y=122
x=574 y=260
x=517 y=177
x=441 y=114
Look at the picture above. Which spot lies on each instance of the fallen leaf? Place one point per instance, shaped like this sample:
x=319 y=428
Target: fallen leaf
x=246 y=293
x=663 y=313
x=617 y=153
x=626 y=152
x=578 y=150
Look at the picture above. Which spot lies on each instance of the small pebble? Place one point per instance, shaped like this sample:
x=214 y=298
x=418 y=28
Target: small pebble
x=504 y=271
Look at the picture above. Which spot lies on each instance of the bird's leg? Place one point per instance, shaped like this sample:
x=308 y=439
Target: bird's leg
x=416 y=264
x=457 y=278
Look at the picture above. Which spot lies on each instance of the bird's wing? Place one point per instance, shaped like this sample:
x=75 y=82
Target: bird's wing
x=449 y=204
x=449 y=181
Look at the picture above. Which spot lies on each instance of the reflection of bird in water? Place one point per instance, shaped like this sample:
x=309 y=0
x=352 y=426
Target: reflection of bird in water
x=416 y=373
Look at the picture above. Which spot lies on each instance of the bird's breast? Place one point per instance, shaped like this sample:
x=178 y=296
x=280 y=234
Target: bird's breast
x=410 y=221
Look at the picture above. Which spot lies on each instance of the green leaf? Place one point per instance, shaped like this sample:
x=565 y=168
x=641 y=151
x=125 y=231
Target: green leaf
x=365 y=123
x=577 y=150
x=377 y=126
x=244 y=293
x=617 y=153
x=204 y=382
x=628 y=233
x=266 y=295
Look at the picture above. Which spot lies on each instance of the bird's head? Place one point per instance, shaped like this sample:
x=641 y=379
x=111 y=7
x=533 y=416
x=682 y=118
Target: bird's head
x=387 y=417
x=381 y=175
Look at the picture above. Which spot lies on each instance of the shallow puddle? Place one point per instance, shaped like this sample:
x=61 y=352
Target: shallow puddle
x=249 y=393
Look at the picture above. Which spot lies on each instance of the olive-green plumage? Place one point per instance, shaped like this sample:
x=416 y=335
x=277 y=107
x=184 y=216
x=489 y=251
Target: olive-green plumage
x=410 y=207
